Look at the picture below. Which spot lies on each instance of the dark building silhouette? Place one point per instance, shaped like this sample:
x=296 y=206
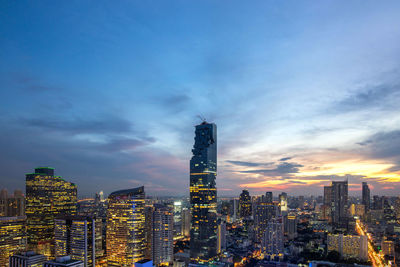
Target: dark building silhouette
x=245 y=204
x=203 y=194
x=339 y=202
x=366 y=196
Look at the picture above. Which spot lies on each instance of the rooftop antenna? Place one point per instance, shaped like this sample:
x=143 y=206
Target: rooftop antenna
x=203 y=120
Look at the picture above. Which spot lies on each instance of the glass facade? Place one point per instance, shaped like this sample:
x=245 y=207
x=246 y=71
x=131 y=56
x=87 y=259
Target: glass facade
x=163 y=242
x=245 y=204
x=47 y=196
x=12 y=237
x=203 y=194
x=126 y=227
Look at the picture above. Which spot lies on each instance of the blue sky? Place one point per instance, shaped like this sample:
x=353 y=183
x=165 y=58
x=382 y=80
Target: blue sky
x=108 y=93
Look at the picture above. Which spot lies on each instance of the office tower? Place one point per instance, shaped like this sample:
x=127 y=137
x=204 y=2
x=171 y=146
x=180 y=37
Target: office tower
x=186 y=218
x=11 y=206
x=163 y=239
x=268 y=197
x=177 y=218
x=27 y=259
x=388 y=248
x=221 y=237
x=65 y=261
x=349 y=246
x=80 y=237
x=378 y=202
x=47 y=196
x=264 y=212
x=327 y=206
x=12 y=237
x=366 y=196
x=203 y=193
x=245 y=204
x=283 y=203
x=290 y=226
x=339 y=205
x=126 y=227
x=148 y=234
x=272 y=242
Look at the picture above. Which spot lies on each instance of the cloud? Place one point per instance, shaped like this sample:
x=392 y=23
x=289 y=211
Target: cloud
x=285 y=159
x=248 y=163
x=281 y=169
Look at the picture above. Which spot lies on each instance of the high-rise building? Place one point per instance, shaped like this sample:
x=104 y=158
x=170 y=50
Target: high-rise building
x=290 y=226
x=203 y=194
x=177 y=218
x=47 y=196
x=186 y=218
x=27 y=259
x=366 y=196
x=80 y=237
x=388 y=248
x=327 y=204
x=11 y=206
x=339 y=204
x=65 y=261
x=378 y=202
x=283 y=203
x=126 y=227
x=163 y=239
x=349 y=246
x=264 y=212
x=268 y=197
x=272 y=242
x=12 y=237
x=245 y=204
x=148 y=213
x=221 y=237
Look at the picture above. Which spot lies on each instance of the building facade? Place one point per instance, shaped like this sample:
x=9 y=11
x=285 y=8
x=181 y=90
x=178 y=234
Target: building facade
x=203 y=194
x=12 y=237
x=163 y=237
x=349 y=246
x=126 y=227
x=366 y=196
x=27 y=259
x=47 y=196
x=245 y=204
x=272 y=242
x=11 y=206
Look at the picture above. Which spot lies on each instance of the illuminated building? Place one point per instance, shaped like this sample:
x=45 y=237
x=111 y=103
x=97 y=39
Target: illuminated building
x=336 y=203
x=11 y=206
x=126 y=227
x=221 y=234
x=12 y=237
x=79 y=237
x=290 y=226
x=177 y=218
x=268 y=197
x=27 y=259
x=388 y=248
x=326 y=208
x=264 y=212
x=163 y=240
x=366 y=196
x=349 y=246
x=47 y=196
x=245 y=204
x=203 y=194
x=357 y=210
x=186 y=218
x=283 y=203
x=65 y=261
x=272 y=241
x=148 y=211
x=378 y=202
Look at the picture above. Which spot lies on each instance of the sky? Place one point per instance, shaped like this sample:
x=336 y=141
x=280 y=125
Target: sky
x=108 y=93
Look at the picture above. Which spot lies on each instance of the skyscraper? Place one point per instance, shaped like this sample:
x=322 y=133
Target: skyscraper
x=47 y=196
x=12 y=237
x=163 y=238
x=272 y=243
x=245 y=204
x=264 y=212
x=283 y=203
x=13 y=205
x=221 y=244
x=125 y=227
x=326 y=208
x=79 y=237
x=366 y=196
x=203 y=193
x=177 y=218
x=339 y=206
x=186 y=218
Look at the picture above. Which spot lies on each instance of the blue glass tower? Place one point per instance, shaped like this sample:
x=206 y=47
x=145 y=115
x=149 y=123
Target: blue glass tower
x=203 y=194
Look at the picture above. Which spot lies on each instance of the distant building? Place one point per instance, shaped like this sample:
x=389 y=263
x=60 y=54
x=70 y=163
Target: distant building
x=349 y=246
x=268 y=198
x=79 y=237
x=177 y=218
x=221 y=234
x=264 y=212
x=327 y=204
x=12 y=237
x=186 y=218
x=357 y=210
x=336 y=203
x=378 y=202
x=27 y=259
x=163 y=241
x=126 y=227
x=47 y=196
x=11 y=206
x=149 y=209
x=245 y=204
x=65 y=261
x=388 y=248
x=366 y=196
x=290 y=226
x=272 y=243
x=203 y=194
x=283 y=203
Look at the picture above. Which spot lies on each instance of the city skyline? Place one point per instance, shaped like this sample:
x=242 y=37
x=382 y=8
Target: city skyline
x=302 y=94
